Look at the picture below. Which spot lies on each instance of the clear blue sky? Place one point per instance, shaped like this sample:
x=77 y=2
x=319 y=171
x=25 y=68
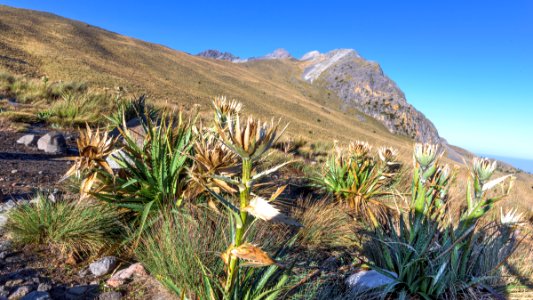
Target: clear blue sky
x=467 y=65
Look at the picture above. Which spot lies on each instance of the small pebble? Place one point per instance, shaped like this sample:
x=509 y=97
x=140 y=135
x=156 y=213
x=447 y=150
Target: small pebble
x=14 y=171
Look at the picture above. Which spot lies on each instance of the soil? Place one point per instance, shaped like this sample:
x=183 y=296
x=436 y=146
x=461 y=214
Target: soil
x=25 y=170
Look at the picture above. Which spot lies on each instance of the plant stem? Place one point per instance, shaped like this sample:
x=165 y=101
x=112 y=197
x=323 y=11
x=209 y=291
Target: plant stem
x=239 y=232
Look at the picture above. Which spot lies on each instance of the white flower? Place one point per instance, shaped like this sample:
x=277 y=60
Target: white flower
x=387 y=154
x=425 y=154
x=483 y=168
x=511 y=217
x=262 y=209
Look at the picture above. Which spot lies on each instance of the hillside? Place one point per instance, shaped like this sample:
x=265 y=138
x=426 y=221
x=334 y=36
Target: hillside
x=44 y=44
x=318 y=104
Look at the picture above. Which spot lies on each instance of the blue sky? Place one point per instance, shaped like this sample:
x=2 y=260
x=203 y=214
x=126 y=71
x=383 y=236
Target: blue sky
x=467 y=65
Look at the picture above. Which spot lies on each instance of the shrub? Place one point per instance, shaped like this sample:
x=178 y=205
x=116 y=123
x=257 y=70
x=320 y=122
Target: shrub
x=70 y=228
x=432 y=256
x=358 y=179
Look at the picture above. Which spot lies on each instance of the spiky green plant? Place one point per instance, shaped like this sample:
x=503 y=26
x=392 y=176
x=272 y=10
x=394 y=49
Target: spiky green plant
x=430 y=255
x=154 y=167
x=360 y=180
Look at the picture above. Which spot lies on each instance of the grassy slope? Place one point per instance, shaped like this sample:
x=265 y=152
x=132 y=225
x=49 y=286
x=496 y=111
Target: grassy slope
x=36 y=44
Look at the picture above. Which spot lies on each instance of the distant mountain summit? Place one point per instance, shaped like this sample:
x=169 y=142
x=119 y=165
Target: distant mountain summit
x=362 y=84
x=215 y=54
x=279 y=53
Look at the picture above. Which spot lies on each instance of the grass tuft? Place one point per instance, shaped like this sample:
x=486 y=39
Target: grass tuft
x=68 y=228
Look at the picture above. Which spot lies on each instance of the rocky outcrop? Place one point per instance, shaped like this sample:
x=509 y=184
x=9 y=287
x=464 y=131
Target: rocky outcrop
x=363 y=85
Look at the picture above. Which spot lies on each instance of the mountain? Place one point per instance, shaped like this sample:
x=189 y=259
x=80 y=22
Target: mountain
x=215 y=54
x=35 y=44
x=363 y=85
x=360 y=84
x=279 y=53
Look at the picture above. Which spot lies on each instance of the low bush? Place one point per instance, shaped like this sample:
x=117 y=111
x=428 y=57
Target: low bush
x=361 y=181
x=78 y=229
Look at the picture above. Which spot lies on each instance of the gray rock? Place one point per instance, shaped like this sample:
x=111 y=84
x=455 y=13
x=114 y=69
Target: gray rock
x=117 y=154
x=110 y=296
x=37 y=295
x=20 y=292
x=103 y=266
x=52 y=142
x=3 y=220
x=4 y=245
x=44 y=287
x=29 y=140
x=9 y=205
x=365 y=280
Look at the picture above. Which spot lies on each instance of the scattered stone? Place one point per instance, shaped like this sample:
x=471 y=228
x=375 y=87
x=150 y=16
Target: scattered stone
x=110 y=296
x=29 y=140
x=40 y=173
x=37 y=295
x=365 y=280
x=44 y=287
x=103 y=266
x=14 y=171
x=121 y=276
x=20 y=292
x=52 y=142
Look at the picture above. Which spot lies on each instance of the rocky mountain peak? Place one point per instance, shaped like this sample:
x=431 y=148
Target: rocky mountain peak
x=279 y=53
x=363 y=85
x=311 y=55
x=216 y=54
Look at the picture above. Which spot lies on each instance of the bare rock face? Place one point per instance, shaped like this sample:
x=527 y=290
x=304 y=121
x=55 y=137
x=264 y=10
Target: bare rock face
x=363 y=85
